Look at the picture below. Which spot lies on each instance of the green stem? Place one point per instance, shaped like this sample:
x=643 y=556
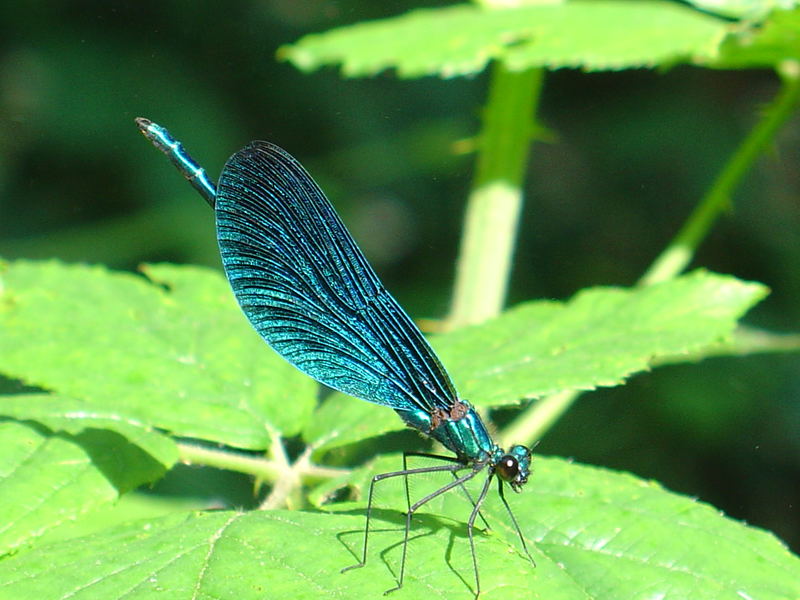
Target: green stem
x=679 y=253
x=268 y=470
x=484 y=262
x=533 y=422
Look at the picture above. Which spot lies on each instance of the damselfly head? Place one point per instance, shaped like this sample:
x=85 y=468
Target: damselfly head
x=515 y=466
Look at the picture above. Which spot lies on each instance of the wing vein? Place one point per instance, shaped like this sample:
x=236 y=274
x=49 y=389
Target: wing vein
x=310 y=293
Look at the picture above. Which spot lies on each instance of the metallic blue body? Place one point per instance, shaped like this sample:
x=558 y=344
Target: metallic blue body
x=466 y=436
x=194 y=173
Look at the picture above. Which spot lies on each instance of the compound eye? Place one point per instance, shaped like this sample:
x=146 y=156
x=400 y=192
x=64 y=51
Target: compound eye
x=508 y=468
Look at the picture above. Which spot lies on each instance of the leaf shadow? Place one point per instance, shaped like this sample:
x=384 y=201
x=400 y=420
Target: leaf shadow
x=122 y=462
x=125 y=464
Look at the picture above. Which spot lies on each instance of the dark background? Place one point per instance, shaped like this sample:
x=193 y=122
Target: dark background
x=631 y=154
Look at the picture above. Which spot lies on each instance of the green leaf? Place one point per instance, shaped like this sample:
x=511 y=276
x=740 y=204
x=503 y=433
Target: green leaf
x=136 y=505
x=598 y=338
x=632 y=536
x=594 y=534
x=173 y=352
x=748 y=9
x=777 y=41
x=343 y=420
x=47 y=479
x=462 y=39
x=67 y=414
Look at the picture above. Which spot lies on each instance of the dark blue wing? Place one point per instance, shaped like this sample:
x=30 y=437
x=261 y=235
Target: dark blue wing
x=308 y=290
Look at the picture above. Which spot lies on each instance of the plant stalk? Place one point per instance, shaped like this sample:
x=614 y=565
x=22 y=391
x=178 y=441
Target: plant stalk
x=533 y=422
x=494 y=203
x=268 y=470
x=681 y=250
